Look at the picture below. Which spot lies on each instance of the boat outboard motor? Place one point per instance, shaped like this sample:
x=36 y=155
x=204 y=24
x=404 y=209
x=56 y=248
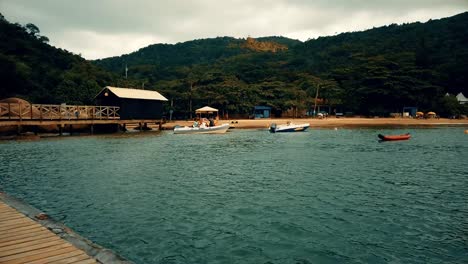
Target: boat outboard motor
x=273 y=128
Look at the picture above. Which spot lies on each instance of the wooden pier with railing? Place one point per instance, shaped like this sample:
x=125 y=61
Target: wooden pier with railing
x=46 y=112
x=35 y=115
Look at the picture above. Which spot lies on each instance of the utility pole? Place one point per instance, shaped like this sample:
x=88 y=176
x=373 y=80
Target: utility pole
x=316 y=97
x=190 y=103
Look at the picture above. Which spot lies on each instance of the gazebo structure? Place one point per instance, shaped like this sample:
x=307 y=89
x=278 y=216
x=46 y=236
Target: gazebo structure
x=462 y=99
x=207 y=111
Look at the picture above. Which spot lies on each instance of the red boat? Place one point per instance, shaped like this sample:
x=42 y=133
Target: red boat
x=394 y=137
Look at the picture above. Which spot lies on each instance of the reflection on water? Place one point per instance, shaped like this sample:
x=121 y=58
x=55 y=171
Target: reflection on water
x=248 y=196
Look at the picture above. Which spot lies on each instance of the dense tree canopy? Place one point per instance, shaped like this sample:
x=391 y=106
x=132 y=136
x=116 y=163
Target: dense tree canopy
x=33 y=70
x=374 y=72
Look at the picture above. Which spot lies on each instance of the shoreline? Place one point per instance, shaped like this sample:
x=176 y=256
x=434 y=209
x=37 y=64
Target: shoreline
x=326 y=123
x=331 y=122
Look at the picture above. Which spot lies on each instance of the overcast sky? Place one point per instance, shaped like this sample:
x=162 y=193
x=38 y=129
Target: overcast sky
x=104 y=28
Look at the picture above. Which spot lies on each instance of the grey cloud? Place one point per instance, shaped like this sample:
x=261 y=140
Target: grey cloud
x=113 y=27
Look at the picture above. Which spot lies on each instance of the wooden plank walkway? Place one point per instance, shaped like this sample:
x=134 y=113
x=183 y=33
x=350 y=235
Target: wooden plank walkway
x=22 y=240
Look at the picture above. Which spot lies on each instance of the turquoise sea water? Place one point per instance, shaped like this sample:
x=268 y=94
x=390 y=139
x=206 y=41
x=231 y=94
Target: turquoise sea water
x=322 y=196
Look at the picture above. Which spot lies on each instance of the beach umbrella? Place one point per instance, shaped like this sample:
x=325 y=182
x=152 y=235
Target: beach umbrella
x=419 y=113
x=431 y=113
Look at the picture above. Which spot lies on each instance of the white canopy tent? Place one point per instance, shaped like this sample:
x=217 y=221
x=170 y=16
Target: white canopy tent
x=462 y=99
x=207 y=110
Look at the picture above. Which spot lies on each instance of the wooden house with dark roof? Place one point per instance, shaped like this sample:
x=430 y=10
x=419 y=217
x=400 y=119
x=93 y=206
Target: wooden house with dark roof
x=133 y=103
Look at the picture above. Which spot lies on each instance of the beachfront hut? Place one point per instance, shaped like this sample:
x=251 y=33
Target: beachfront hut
x=462 y=99
x=262 y=111
x=410 y=111
x=207 y=110
x=133 y=103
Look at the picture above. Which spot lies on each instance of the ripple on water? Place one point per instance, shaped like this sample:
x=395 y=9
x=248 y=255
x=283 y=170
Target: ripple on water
x=249 y=196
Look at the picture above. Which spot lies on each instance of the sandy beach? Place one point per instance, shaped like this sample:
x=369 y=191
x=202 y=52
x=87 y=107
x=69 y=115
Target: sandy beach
x=332 y=122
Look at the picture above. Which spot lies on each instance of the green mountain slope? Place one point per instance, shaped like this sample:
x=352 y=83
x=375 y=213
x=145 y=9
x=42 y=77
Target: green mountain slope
x=411 y=64
x=33 y=70
x=188 y=53
x=373 y=72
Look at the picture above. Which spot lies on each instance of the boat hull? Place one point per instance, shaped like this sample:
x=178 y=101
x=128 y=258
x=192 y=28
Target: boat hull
x=394 y=137
x=288 y=128
x=221 y=129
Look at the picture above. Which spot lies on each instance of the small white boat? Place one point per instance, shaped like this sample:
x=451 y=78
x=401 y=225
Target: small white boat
x=289 y=127
x=202 y=130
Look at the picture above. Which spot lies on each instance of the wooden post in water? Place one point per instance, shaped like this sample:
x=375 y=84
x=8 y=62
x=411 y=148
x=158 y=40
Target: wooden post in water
x=60 y=130
x=71 y=129
x=20 y=114
x=91 y=129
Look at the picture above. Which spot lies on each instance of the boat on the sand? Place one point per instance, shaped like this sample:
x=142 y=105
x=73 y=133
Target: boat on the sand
x=289 y=127
x=394 y=137
x=201 y=130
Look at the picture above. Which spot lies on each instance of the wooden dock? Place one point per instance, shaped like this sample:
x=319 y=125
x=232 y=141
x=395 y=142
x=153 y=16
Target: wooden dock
x=25 y=117
x=22 y=240
x=42 y=112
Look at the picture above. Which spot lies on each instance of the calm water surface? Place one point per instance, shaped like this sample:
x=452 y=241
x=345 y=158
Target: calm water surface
x=248 y=196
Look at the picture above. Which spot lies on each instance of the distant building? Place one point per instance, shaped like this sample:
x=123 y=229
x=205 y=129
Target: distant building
x=461 y=98
x=410 y=111
x=133 y=103
x=262 y=111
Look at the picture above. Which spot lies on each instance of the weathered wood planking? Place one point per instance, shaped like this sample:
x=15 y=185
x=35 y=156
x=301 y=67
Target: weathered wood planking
x=23 y=240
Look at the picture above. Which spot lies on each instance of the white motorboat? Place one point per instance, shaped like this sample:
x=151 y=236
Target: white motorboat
x=201 y=130
x=289 y=127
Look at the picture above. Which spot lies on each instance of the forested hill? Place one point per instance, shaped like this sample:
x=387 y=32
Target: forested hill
x=373 y=72
x=411 y=64
x=33 y=70
x=187 y=53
